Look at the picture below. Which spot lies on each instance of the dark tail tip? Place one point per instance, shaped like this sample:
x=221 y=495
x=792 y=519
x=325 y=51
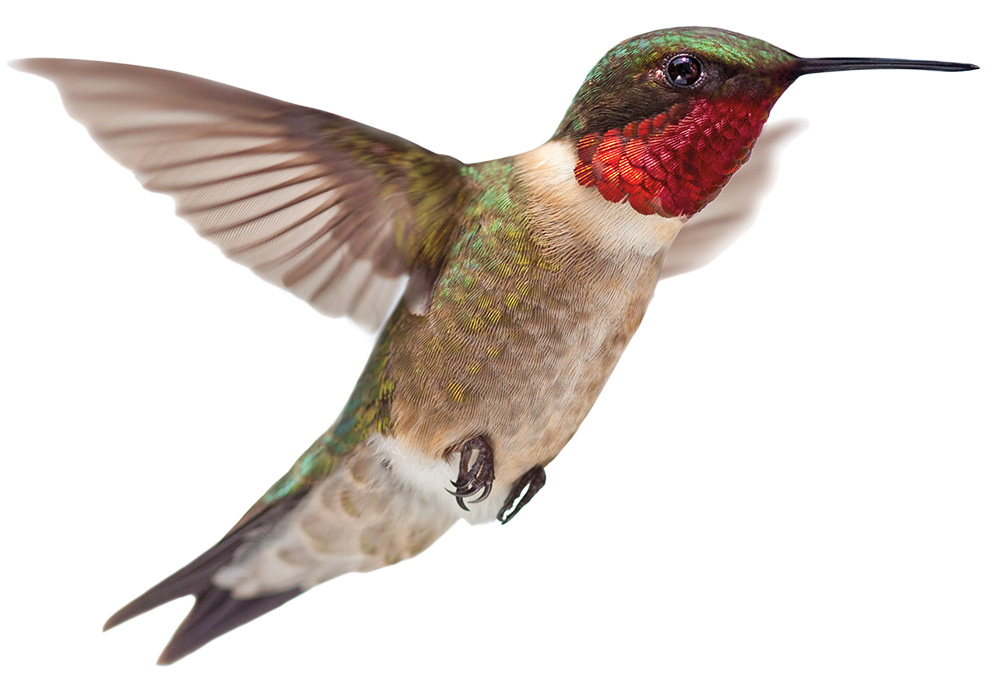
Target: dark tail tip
x=216 y=612
x=193 y=579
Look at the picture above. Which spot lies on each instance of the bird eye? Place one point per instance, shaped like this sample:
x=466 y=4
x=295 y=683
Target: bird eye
x=683 y=70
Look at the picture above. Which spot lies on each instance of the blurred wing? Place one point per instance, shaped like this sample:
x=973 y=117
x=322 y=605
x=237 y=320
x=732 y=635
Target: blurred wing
x=724 y=220
x=335 y=212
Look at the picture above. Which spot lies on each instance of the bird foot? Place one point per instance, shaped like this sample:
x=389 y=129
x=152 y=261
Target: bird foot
x=478 y=476
x=521 y=493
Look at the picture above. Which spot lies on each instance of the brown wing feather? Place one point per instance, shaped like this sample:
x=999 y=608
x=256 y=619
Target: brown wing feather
x=332 y=210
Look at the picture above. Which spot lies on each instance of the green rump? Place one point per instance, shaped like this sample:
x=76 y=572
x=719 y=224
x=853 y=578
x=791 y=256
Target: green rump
x=367 y=411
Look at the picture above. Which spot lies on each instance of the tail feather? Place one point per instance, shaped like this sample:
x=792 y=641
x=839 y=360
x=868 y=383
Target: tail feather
x=358 y=517
x=215 y=611
x=191 y=579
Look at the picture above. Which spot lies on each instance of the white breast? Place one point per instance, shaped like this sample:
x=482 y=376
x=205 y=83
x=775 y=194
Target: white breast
x=432 y=478
x=588 y=217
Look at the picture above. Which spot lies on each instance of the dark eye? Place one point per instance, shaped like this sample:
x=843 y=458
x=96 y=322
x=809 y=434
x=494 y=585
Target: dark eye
x=683 y=70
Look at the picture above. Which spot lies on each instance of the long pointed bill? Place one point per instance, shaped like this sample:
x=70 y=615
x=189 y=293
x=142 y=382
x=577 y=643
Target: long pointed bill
x=815 y=65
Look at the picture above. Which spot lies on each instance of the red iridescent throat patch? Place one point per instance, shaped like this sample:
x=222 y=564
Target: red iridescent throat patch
x=672 y=169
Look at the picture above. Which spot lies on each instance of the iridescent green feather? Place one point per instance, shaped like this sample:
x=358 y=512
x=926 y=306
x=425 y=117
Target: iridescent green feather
x=367 y=411
x=431 y=185
x=618 y=71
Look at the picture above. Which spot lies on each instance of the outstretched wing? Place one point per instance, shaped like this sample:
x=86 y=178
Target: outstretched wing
x=334 y=211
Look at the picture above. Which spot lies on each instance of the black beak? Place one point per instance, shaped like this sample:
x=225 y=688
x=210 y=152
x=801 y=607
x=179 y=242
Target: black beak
x=815 y=65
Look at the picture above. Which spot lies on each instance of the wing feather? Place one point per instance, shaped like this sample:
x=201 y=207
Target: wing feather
x=320 y=205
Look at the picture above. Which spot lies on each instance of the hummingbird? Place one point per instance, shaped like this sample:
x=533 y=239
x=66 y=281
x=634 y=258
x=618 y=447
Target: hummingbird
x=506 y=290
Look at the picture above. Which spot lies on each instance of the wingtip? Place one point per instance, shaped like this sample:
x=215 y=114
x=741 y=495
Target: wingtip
x=21 y=64
x=33 y=65
x=52 y=67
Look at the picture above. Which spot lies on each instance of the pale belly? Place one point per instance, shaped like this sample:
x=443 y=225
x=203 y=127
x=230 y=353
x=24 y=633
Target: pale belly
x=525 y=387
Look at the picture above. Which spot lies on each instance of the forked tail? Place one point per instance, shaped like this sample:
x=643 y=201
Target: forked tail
x=357 y=518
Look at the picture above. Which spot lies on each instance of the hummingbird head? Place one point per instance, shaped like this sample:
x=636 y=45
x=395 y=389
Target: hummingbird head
x=666 y=118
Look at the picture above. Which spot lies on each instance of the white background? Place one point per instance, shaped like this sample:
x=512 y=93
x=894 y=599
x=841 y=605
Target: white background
x=791 y=480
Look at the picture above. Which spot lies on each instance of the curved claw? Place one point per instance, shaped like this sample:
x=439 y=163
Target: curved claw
x=487 y=489
x=467 y=490
x=462 y=492
x=479 y=476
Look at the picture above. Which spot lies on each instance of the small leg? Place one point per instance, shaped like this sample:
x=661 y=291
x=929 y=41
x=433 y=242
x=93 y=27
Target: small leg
x=533 y=481
x=479 y=476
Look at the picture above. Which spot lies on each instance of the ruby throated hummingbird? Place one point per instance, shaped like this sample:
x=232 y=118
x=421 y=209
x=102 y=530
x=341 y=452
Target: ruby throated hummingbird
x=525 y=278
